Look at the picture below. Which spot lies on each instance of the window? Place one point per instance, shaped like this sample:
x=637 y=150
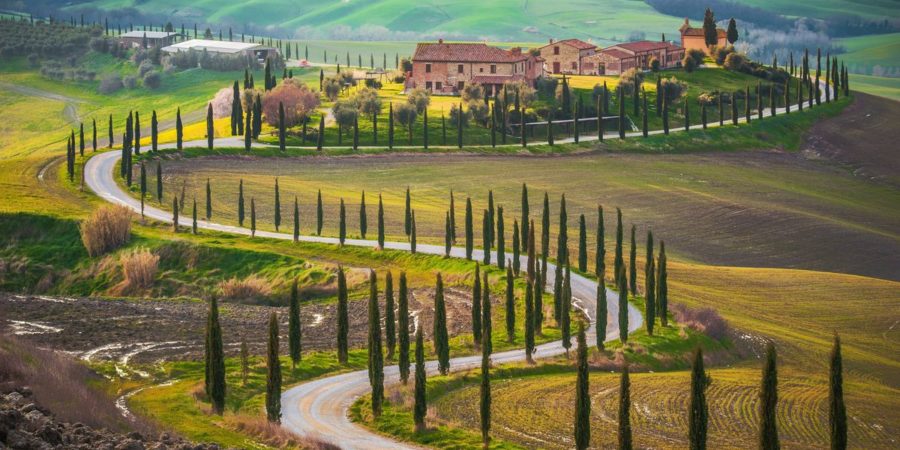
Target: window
x=481 y=69
x=574 y=65
x=459 y=68
x=427 y=68
x=493 y=68
x=460 y=85
x=428 y=85
x=556 y=50
x=438 y=85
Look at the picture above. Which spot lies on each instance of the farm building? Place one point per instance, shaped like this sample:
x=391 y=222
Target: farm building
x=618 y=58
x=260 y=51
x=692 y=38
x=569 y=56
x=148 y=39
x=447 y=67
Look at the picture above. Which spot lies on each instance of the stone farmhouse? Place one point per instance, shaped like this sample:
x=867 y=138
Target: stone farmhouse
x=569 y=56
x=136 y=38
x=693 y=38
x=445 y=68
x=618 y=58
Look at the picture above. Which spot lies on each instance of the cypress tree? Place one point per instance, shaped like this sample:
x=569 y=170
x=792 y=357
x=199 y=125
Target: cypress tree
x=734 y=108
x=529 y=320
x=459 y=127
x=772 y=100
x=800 y=95
x=510 y=306
x=485 y=397
x=215 y=359
x=403 y=329
x=208 y=200
x=252 y=217
x=662 y=287
x=277 y=212
x=143 y=186
x=137 y=135
x=621 y=102
x=343 y=321
x=582 y=396
x=342 y=225
x=522 y=131
x=356 y=133
x=363 y=222
x=600 y=251
x=565 y=323
x=248 y=135
x=194 y=221
x=650 y=284
x=210 y=129
x=768 y=396
x=698 y=414
x=159 y=182
x=273 y=373
x=721 y=110
x=320 y=213
x=516 y=259
x=486 y=239
x=501 y=241
x=582 y=244
x=486 y=321
x=376 y=357
x=644 y=127
x=632 y=266
x=110 y=140
x=241 y=203
x=625 y=411
x=407 y=218
x=623 y=305
x=441 y=344
x=837 y=411
x=296 y=220
x=602 y=311
x=476 y=307
x=447 y=239
x=470 y=236
x=154 y=133
x=175 y=214
x=420 y=408
x=452 y=217
x=525 y=214
x=491 y=214
x=600 y=116
x=412 y=236
x=294 y=327
x=380 y=222
x=545 y=235
x=538 y=277
x=390 y=333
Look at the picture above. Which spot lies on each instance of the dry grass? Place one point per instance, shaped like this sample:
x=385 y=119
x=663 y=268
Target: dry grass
x=250 y=288
x=139 y=268
x=107 y=228
x=273 y=434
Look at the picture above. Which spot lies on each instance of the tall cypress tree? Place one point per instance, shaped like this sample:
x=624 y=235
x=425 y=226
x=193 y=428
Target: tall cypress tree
x=273 y=373
x=380 y=222
x=565 y=322
x=837 y=411
x=662 y=287
x=294 y=327
x=632 y=264
x=252 y=217
x=602 y=312
x=441 y=344
x=623 y=305
x=501 y=241
x=529 y=320
x=650 y=284
x=403 y=329
x=452 y=218
x=516 y=258
x=698 y=414
x=363 y=220
x=390 y=333
x=143 y=186
x=618 y=260
x=486 y=320
x=390 y=125
x=376 y=357
x=625 y=411
x=470 y=233
x=486 y=239
x=296 y=219
x=525 y=214
x=110 y=140
x=538 y=276
x=510 y=306
x=582 y=396
x=210 y=129
x=485 y=397
x=476 y=306
x=215 y=359
x=768 y=400
x=412 y=236
x=447 y=238
x=320 y=213
x=248 y=125
x=342 y=224
x=175 y=214
x=545 y=229
x=600 y=251
x=154 y=133
x=277 y=212
x=137 y=135
x=208 y=200
x=343 y=320
x=407 y=218
x=420 y=409
x=644 y=126
x=582 y=244
x=240 y=205
x=194 y=216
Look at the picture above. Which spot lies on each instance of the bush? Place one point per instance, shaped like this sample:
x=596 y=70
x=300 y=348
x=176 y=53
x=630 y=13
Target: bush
x=107 y=228
x=145 y=66
x=345 y=113
x=630 y=80
x=674 y=89
x=130 y=81
x=479 y=110
x=456 y=115
x=111 y=83
x=705 y=320
x=419 y=98
x=332 y=87
x=139 y=267
x=152 y=80
x=688 y=63
x=546 y=86
x=250 y=288
x=654 y=64
x=221 y=103
x=298 y=100
x=721 y=53
x=697 y=55
x=736 y=62
x=368 y=102
x=472 y=91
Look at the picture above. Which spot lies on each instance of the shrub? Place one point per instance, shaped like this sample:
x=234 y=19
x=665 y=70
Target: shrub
x=736 y=62
x=250 y=288
x=146 y=66
x=111 y=83
x=405 y=114
x=368 y=102
x=697 y=55
x=524 y=90
x=630 y=80
x=332 y=87
x=705 y=320
x=139 y=267
x=479 y=110
x=107 y=228
x=345 y=113
x=456 y=115
x=419 y=98
x=472 y=91
x=721 y=53
x=546 y=86
x=298 y=100
x=654 y=64
x=152 y=80
x=688 y=63
x=130 y=81
x=674 y=88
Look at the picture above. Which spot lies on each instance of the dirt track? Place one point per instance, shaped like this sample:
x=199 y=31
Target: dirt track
x=863 y=137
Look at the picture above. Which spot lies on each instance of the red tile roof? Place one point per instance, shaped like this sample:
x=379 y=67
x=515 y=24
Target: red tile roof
x=699 y=32
x=643 y=46
x=577 y=43
x=463 y=52
x=616 y=53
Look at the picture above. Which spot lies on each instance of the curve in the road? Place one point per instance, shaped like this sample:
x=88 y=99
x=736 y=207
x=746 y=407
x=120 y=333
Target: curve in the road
x=319 y=408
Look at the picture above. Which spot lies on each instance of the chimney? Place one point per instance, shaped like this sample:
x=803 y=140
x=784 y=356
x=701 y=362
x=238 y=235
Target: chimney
x=516 y=51
x=551 y=40
x=441 y=41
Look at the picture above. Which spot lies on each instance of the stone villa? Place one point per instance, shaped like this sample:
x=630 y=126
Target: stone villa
x=693 y=38
x=569 y=56
x=618 y=58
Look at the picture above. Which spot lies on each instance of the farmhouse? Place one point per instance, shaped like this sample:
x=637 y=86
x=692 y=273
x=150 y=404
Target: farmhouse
x=137 y=38
x=447 y=67
x=569 y=56
x=260 y=51
x=618 y=58
x=693 y=38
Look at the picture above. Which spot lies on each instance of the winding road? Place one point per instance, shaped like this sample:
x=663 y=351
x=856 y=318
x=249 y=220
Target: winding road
x=318 y=409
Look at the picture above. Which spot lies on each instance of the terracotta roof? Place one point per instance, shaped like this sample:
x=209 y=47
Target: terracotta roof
x=616 y=53
x=577 y=43
x=643 y=46
x=699 y=32
x=462 y=52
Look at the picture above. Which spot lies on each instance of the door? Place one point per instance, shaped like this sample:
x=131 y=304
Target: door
x=556 y=67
